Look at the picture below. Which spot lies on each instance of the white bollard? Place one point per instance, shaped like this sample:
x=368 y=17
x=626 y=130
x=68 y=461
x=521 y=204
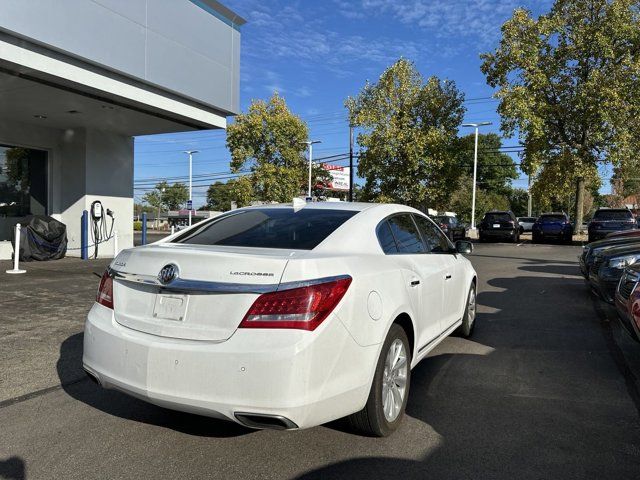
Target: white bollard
x=115 y=244
x=16 y=253
x=173 y=229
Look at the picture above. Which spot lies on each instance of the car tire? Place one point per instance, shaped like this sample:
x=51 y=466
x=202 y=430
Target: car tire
x=521 y=230
x=372 y=420
x=591 y=239
x=535 y=238
x=515 y=237
x=469 y=318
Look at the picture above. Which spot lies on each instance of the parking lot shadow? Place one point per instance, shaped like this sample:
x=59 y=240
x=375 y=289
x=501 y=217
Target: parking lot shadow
x=553 y=269
x=13 y=468
x=72 y=379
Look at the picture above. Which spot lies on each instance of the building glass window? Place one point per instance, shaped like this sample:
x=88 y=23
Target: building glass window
x=23 y=186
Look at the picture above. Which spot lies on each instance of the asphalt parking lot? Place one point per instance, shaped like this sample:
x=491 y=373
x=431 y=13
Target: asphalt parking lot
x=548 y=387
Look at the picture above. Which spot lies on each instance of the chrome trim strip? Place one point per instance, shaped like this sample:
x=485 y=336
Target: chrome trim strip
x=446 y=333
x=205 y=286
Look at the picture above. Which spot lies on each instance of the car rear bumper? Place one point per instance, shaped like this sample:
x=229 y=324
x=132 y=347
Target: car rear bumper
x=307 y=378
x=498 y=233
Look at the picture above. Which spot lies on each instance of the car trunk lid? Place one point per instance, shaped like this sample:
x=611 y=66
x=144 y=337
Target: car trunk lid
x=212 y=288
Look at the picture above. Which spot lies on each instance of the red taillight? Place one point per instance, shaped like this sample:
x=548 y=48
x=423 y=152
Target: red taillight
x=105 y=291
x=302 y=308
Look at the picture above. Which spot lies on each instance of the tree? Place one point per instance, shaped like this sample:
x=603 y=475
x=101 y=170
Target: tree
x=485 y=201
x=496 y=170
x=219 y=196
x=269 y=141
x=408 y=135
x=518 y=201
x=567 y=84
x=167 y=197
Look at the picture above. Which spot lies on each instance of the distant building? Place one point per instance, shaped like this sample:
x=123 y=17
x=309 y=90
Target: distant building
x=80 y=78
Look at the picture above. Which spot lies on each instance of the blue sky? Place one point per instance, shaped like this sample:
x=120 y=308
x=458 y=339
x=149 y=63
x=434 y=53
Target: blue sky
x=316 y=53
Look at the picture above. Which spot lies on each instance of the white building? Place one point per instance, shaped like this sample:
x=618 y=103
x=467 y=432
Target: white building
x=80 y=78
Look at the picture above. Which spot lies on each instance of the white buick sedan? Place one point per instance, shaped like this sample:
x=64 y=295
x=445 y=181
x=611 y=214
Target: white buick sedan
x=282 y=317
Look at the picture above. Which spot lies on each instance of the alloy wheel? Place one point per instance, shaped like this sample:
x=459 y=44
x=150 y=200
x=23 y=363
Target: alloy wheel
x=394 y=380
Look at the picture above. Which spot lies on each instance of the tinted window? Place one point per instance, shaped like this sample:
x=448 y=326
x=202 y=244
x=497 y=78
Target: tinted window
x=552 y=218
x=526 y=219
x=497 y=217
x=269 y=228
x=385 y=237
x=437 y=242
x=406 y=234
x=613 y=215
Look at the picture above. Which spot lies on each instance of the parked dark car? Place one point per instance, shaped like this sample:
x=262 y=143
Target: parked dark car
x=608 y=266
x=497 y=225
x=552 y=226
x=452 y=227
x=607 y=220
x=624 y=234
x=526 y=223
x=591 y=250
x=628 y=300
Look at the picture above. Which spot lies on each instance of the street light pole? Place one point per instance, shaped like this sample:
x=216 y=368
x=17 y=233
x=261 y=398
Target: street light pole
x=476 y=126
x=310 y=145
x=190 y=202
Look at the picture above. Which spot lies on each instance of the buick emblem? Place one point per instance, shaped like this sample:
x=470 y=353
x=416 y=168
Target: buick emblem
x=168 y=273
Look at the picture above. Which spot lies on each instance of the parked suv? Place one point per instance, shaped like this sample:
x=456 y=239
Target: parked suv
x=593 y=250
x=607 y=220
x=451 y=227
x=552 y=226
x=498 y=225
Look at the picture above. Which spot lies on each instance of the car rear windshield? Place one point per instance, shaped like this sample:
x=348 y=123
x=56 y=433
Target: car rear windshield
x=269 y=228
x=443 y=219
x=552 y=218
x=613 y=215
x=497 y=217
x=527 y=219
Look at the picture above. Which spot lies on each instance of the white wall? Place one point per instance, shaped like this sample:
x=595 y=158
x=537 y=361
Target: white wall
x=84 y=165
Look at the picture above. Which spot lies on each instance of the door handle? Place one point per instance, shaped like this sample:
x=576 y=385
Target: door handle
x=415 y=283
x=447 y=277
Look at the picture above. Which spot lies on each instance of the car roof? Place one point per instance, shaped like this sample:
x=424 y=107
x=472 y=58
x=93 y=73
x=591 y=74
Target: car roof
x=351 y=206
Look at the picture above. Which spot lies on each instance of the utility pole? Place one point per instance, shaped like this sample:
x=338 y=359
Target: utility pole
x=529 y=192
x=190 y=201
x=475 y=170
x=309 y=144
x=350 y=163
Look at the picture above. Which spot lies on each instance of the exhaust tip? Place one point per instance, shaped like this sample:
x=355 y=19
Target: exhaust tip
x=264 y=421
x=93 y=378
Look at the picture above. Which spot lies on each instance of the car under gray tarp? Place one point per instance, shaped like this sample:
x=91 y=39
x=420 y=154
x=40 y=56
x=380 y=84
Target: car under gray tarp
x=42 y=238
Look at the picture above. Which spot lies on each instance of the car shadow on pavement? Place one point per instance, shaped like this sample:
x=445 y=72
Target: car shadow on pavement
x=532 y=394
x=77 y=385
x=13 y=468
x=572 y=270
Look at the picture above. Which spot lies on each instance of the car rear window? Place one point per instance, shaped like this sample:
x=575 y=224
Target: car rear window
x=613 y=215
x=527 y=219
x=269 y=228
x=497 y=217
x=552 y=218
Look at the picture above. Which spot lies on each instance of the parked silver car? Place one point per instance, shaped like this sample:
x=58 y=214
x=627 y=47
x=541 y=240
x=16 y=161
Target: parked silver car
x=526 y=223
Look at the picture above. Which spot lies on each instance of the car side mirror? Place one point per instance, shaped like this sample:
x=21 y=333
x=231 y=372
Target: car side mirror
x=462 y=246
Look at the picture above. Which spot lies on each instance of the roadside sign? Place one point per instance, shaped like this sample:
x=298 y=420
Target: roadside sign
x=189 y=204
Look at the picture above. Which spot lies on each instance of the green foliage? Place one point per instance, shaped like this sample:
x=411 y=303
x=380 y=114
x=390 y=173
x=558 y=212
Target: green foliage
x=408 y=135
x=269 y=140
x=518 y=201
x=219 y=196
x=137 y=226
x=485 y=201
x=167 y=197
x=496 y=170
x=568 y=85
